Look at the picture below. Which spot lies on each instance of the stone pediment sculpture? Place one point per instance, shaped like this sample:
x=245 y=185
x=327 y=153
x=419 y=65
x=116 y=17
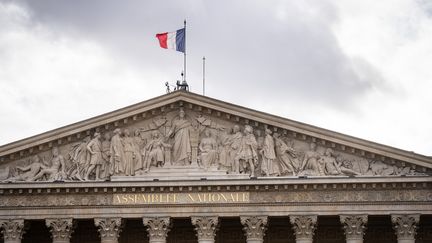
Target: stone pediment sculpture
x=183 y=135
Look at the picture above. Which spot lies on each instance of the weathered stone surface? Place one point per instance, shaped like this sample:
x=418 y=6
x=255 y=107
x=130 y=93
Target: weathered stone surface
x=157 y=228
x=12 y=230
x=205 y=228
x=354 y=227
x=304 y=227
x=405 y=226
x=254 y=228
x=61 y=229
x=109 y=229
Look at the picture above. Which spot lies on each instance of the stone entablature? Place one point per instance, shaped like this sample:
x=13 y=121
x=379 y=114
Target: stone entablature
x=212 y=138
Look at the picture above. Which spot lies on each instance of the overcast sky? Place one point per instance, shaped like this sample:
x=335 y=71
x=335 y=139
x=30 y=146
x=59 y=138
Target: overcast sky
x=363 y=68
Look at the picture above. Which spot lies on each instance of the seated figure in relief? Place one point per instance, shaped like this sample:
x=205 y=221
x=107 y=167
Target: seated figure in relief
x=248 y=152
x=154 y=152
x=27 y=173
x=208 y=149
x=57 y=169
x=310 y=165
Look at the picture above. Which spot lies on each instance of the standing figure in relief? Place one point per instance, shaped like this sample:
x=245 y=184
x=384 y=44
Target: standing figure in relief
x=236 y=143
x=260 y=145
x=154 y=152
x=224 y=148
x=286 y=155
x=180 y=130
x=30 y=171
x=117 y=154
x=80 y=160
x=94 y=147
x=208 y=149
x=268 y=165
x=57 y=169
x=139 y=144
x=310 y=165
x=248 y=152
x=104 y=168
x=129 y=154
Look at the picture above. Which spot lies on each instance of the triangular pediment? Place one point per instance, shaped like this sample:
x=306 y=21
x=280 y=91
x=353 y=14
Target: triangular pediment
x=236 y=141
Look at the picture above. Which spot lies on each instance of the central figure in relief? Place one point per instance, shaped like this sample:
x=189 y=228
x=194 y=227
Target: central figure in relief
x=180 y=130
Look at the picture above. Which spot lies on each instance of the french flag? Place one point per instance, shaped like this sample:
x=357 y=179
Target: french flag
x=173 y=40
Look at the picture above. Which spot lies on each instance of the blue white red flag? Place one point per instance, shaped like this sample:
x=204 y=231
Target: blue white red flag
x=173 y=40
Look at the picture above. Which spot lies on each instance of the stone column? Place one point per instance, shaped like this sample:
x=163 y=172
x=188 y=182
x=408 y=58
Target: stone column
x=304 y=227
x=405 y=226
x=205 y=228
x=157 y=229
x=12 y=230
x=109 y=229
x=354 y=227
x=254 y=228
x=61 y=229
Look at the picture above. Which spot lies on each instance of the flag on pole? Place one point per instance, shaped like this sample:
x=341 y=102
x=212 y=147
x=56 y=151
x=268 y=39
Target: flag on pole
x=173 y=40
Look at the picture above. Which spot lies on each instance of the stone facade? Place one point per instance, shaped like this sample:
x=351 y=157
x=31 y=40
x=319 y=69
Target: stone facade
x=186 y=157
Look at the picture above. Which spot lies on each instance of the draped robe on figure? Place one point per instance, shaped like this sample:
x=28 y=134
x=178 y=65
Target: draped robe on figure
x=182 y=145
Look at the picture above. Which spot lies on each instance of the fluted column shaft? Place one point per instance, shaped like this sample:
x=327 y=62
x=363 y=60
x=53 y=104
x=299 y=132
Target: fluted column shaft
x=254 y=228
x=12 y=230
x=61 y=229
x=304 y=227
x=157 y=228
x=354 y=227
x=405 y=226
x=109 y=229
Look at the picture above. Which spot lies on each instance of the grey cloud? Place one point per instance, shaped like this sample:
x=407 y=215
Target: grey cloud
x=248 y=47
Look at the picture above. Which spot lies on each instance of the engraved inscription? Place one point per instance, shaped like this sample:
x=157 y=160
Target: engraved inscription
x=180 y=198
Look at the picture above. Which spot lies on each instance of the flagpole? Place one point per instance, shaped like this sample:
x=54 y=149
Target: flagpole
x=184 y=54
x=203 y=75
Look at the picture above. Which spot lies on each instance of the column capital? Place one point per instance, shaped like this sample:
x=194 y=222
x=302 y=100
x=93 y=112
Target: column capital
x=405 y=225
x=254 y=227
x=304 y=227
x=205 y=227
x=12 y=229
x=157 y=228
x=354 y=226
x=109 y=228
x=61 y=229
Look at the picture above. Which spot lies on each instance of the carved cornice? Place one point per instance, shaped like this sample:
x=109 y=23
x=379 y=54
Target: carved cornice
x=303 y=226
x=109 y=228
x=405 y=225
x=254 y=226
x=157 y=227
x=354 y=225
x=12 y=229
x=61 y=229
x=205 y=227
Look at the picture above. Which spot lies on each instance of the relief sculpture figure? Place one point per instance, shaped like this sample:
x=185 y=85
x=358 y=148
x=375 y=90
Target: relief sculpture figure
x=57 y=169
x=248 y=152
x=208 y=149
x=80 y=159
x=268 y=165
x=287 y=156
x=27 y=173
x=180 y=131
x=117 y=153
x=224 y=149
x=331 y=165
x=130 y=154
x=310 y=165
x=154 y=152
x=236 y=143
x=104 y=167
x=94 y=147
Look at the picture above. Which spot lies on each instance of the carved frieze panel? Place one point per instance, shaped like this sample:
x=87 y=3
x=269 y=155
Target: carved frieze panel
x=206 y=143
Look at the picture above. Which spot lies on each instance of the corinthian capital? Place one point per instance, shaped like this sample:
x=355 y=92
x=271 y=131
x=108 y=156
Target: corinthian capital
x=405 y=225
x=109 y=228
x=304 y=226
x=61 y=229
x=157 y=228
x=12 y=229
x=254 y=227
x=205 y=227
x=354 y=225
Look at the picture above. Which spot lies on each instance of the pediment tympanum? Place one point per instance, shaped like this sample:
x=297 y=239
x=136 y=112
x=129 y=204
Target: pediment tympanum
x=186 y=136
